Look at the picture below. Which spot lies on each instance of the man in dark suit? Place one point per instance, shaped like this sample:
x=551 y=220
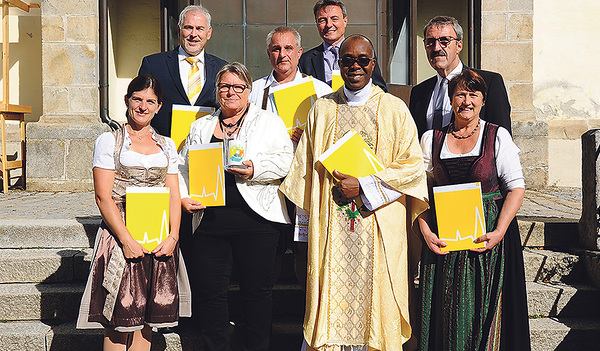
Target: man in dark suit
x=429 y=102
x=331 y=19
x=187 y=74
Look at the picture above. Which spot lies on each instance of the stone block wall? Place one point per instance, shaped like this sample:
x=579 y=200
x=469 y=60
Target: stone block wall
x=507 y=48
x=70 y=61
x=60 y=145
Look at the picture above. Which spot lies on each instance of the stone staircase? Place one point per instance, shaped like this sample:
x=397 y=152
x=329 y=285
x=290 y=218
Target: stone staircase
x=43 y=269
x=45 y=254
x=563 y=303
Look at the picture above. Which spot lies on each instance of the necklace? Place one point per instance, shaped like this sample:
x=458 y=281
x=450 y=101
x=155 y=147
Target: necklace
x=140 y=137
x=466 y=136
x=224 y=126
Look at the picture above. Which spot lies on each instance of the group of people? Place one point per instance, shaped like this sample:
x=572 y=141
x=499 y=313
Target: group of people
x=360 y=239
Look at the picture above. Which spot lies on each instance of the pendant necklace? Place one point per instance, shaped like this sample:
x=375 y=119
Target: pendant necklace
x=224 y=126
x=466 y=136
x=138 y=136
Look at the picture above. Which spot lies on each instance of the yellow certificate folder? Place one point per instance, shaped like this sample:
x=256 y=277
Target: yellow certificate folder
x=182 y=118
x=207 y=177
x=460 y=216
x=336 y=80
x=293 y=102
x=147 y=215
x=351 y=155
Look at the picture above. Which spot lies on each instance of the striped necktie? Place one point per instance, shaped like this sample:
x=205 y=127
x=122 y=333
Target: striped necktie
x=194 y=80
x=438 y=114
x=334 y=51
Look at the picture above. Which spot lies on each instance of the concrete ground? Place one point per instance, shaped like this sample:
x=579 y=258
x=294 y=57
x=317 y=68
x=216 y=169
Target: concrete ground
x=559 y=203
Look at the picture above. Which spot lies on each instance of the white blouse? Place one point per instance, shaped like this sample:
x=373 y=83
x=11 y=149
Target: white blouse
x=508 y=165
x=104 y=148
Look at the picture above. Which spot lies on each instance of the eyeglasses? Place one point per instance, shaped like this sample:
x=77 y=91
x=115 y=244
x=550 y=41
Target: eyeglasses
x=348 y=61
x=237 y=88
x=444 y=41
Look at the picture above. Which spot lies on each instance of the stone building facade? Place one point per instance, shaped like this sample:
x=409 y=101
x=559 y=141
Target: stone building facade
x=541 y=47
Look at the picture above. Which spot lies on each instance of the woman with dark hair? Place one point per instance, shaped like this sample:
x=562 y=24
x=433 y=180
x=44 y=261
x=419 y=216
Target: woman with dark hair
x=245 y=231
x=129 y=289
x=474 y=300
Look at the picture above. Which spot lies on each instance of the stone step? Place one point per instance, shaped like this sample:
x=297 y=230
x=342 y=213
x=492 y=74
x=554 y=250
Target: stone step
x=562 y=300
x=39 y=336
x=31 y=335
x=552 y=266
x=48 y=233
x=549 y=232
x=44 y=265
x=29 y=301
x=564 y=334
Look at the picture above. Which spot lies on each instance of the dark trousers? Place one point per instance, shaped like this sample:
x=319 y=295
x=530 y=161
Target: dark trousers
x=213 y=260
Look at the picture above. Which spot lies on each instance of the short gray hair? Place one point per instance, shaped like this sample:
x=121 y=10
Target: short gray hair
x=236 y=68
x=441 y=21
x=282 y=30
x=194 y=8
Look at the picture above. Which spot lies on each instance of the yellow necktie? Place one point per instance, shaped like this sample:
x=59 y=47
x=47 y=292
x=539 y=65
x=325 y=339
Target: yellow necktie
x=194 y=82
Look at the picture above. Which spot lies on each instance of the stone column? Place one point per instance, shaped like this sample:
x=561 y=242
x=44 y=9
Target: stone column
x=590 y=188
x=60 y=145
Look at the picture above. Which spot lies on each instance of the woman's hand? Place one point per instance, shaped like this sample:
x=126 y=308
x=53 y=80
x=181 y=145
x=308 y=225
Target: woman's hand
x=433 y=242
x=132 y=249
x=512 y=203
x=491 y=239
x=191 y=206
x=244 y=173
x=166 y=247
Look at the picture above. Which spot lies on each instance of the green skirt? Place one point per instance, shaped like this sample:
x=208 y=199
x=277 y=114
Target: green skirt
x=462 y=294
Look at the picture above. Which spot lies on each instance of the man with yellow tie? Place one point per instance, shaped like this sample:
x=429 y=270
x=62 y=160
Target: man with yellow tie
x=187 y=73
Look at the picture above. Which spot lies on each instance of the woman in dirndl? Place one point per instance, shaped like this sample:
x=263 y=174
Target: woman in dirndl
x=474 y=299
x=129 y=289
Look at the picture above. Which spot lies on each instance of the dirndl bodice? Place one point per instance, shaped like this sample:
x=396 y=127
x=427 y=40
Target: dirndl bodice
x=135 y=175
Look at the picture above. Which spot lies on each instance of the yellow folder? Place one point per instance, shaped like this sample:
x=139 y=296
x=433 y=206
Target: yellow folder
x=182 y=118
x=351 y=155
x=207 y=177
x=336 y=80
x=460 y=215
x=293 y=101
x=147 y=215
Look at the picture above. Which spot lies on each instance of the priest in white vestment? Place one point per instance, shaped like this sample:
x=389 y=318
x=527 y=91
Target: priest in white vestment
x=358 y=276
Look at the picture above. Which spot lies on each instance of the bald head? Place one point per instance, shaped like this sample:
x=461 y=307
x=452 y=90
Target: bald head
x=357 y=61
x=354 y=38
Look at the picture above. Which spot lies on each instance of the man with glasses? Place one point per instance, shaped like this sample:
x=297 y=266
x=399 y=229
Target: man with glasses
x=357 y=284
x=429 y=101
x=187 y=73
x=331 y=19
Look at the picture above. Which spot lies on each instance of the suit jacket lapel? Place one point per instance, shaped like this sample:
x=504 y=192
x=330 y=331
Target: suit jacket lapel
x=317 y=61
x=173 y=67
x=421 y=108
x=430 y=84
